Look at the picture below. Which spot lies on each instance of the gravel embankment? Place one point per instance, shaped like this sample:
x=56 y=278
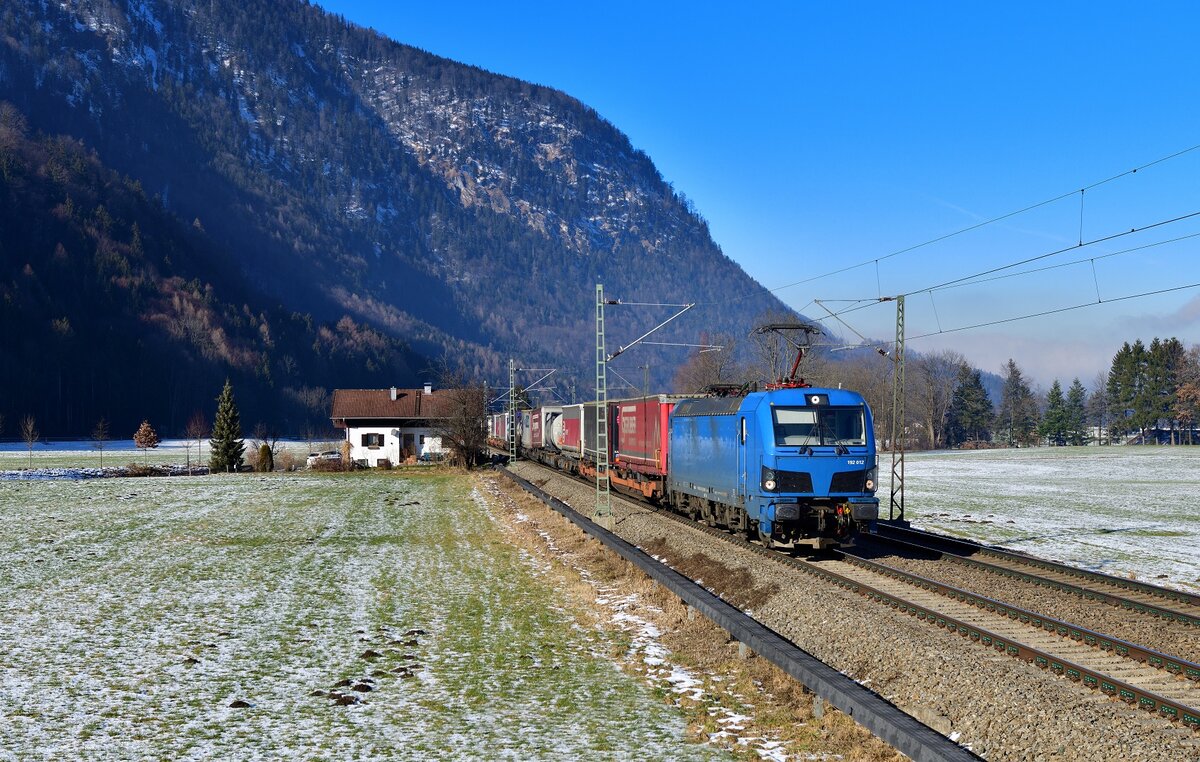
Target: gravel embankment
x=1004 y=709
x=1170 y=638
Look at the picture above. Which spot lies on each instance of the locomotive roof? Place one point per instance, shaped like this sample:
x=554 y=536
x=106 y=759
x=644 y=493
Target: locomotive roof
x=709 y=406
x=731 y=405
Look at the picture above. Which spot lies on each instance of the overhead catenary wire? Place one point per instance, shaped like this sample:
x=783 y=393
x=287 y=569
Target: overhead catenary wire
x=1093 y=242
x=968 y=228
x=979 y=277
x=879 y=345
x=1044 y=313
x=1061 y=265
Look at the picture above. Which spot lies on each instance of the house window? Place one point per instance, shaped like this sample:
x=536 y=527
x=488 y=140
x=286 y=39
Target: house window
x=372 y=440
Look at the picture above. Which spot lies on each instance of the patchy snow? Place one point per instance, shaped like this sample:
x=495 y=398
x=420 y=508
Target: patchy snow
x=142 y=10
x=1127 y=511
x=653 y=659
x=194 y=618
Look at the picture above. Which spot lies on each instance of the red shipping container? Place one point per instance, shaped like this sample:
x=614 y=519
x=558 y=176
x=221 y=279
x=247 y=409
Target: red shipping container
x=572 y=428
x=535 y=428
x=641 y=434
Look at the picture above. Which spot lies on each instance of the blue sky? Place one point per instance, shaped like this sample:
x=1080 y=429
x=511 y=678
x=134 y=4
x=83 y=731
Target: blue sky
x=814 y=136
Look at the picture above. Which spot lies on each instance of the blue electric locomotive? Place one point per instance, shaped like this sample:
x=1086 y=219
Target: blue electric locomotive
x=792 y=466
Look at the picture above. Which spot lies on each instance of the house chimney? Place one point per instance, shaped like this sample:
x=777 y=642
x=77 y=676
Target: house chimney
x=428 y=388
x=393 y=393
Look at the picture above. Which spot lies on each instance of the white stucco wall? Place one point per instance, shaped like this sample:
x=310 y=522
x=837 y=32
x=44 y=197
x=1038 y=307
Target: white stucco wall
x=424 y=442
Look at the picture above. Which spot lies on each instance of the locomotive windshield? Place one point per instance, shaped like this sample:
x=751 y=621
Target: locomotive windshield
x=807 y=427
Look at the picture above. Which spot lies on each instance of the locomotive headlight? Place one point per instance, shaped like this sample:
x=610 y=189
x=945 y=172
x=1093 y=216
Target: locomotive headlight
x=768 y=480
x=872 y=475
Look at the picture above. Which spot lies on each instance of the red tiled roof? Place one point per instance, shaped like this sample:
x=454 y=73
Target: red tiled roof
x=377 y=403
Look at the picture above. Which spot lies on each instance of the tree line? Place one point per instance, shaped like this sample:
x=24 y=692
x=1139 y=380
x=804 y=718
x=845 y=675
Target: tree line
x=1151 y=393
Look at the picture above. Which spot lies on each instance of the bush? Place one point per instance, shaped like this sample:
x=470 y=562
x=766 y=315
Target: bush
x=265 y=460
x=287 y=461
x=141 y=469
x=328 y=465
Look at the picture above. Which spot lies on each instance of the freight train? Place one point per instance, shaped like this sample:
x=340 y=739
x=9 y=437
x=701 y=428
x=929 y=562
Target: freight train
x=790 y=467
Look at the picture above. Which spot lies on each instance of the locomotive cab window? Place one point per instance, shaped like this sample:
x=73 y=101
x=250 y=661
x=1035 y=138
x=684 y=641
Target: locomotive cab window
x=808 y=427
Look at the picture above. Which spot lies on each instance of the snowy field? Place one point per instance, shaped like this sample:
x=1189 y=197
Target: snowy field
x=210 y=617
x=1127 y=511
x=121 y=452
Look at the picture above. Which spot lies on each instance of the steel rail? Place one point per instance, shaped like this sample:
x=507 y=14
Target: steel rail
x=1127 y=692
x=1094 y=679
x=883 y=719
x=1132 y=651
x=1087 y=593
x=1108 y=579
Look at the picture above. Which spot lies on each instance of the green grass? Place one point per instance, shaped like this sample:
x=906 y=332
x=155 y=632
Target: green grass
x=276 y=585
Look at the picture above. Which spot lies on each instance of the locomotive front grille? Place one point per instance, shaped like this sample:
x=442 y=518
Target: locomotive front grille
x=794 y=481
x=848 y=481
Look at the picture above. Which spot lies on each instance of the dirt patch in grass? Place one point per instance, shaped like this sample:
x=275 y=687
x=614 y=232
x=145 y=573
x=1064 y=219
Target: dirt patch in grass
x=777 y=710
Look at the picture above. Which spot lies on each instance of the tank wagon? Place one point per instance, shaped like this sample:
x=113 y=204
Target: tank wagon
x=790 y=466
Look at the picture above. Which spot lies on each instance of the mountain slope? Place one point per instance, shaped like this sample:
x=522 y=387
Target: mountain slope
x=111 y=307
x=342 y=173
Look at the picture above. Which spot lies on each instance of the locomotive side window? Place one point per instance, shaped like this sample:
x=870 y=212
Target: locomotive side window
x=806 y=427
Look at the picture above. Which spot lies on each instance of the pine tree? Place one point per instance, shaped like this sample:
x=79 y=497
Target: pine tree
x=146 y=438
x=1121 y=387
x=1130 y=404
x=226 y=446
x=1054 y=423
x=1164 y=362
x=970 y=415
x=1076 y=415
x=1018 y=415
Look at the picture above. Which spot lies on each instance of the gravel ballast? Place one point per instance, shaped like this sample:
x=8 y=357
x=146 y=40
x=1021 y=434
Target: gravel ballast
x=1002 y=708
x=1172 y=638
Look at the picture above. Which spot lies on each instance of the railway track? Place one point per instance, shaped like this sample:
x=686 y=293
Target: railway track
x=1155 y=682
x=882 y=718
x=1107 y=664
x=1139 y=597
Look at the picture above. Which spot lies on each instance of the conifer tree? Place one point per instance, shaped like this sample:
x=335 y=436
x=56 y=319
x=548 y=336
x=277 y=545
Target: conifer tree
x=1164 y=363
x=970 y=415
x=146 y=438
x=226 y=446
x=1018 y=415
x=1127 y=389
x=1076 y=414
x=1054 y=422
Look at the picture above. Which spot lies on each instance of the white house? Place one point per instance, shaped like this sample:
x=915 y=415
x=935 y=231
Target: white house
x=390 y=424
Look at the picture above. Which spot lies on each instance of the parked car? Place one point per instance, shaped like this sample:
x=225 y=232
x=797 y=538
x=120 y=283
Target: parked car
x=313 y=457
